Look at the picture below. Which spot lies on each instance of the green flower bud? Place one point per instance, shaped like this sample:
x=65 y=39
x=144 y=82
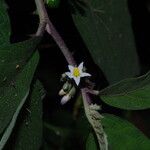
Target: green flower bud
x=53 y=3
x=67 y=86
x=72 y=92
x=62 y=92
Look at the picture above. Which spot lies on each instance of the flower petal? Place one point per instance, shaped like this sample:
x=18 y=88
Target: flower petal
x=70 y=68
x=77 y=80
x=81 y=66
x=84 y=74
x=69 y=74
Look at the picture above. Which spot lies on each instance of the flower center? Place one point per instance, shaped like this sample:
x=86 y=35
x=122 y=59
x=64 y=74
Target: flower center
x=76 y=72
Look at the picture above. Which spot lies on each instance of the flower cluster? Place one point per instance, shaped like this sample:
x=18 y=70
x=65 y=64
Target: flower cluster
x=76 y=73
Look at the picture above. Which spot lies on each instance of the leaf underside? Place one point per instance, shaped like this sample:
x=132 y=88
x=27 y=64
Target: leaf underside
x=18 y=63
x=131 y=94
x=105 y=27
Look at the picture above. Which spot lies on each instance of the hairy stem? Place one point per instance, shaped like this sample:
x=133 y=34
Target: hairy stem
x=46 y=24
x=86 y=96
x=94 y=119
x=44 y=19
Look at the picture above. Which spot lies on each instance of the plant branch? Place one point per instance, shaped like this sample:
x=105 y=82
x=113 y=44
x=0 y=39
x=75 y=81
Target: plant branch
x=86 y=96
x=46 y=22
x=41 y=29
x=94 y=119
x=92 y=115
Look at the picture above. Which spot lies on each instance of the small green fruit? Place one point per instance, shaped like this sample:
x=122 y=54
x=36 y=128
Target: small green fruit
x=53 y=3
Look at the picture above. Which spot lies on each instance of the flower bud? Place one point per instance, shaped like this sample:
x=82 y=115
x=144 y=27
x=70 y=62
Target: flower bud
x=65 y=99
x=62 y=92
x=72 y=92
x=53 y=3
x=67 y=86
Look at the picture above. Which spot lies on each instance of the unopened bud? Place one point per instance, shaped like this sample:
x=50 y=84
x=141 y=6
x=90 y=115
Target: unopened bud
x=62 y=92
x=72 y=92
x=65 y=99
x=53 y=3
x=67 y=86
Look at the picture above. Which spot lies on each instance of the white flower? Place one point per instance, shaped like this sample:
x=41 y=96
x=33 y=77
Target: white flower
x=76 y=73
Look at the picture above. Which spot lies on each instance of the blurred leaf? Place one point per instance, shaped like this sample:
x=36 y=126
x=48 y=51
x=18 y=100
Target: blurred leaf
x=91 y=143
x=10 y=127
x=133 y=93
x=13 y=98
x=53 y=3
x=122 y=135
x=59 y=116
x=46 y=146
x=4 y=24
x=57 y=135
x=17 y=66
x=66 y=135
x=59 y=131
x=105 y=27
x=28 y=131
x=83 y=126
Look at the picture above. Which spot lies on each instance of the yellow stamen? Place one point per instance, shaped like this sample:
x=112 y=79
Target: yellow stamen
x=76 y=72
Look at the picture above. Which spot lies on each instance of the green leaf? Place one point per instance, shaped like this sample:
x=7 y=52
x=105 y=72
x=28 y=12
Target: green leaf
x=17 y=66
x=10 y=127
x=13 y=58
x=105 y=27
x=27 y=134
x=46 y=146
x=57 y=136
x=122 y=135
x=131 y=94
x=91 y=143
x=4 y=24
x=59 y=133
x=15 y=76
x=13 y=97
